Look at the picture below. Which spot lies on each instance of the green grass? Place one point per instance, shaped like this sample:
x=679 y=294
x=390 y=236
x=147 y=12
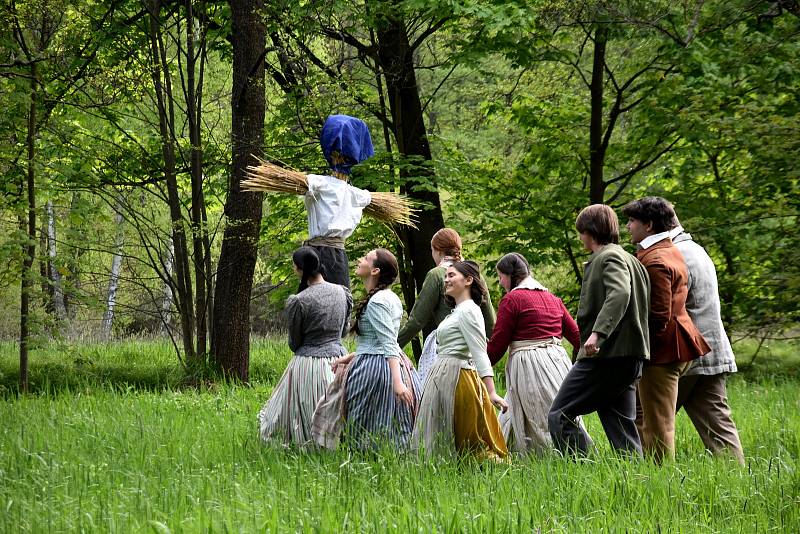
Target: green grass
x=141 y=364
x=108 y=443
x=774 y=359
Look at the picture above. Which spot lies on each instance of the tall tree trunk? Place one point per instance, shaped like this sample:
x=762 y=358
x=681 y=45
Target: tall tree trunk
x=407 y=283
x=166 y=122
x=231 y=341
x=396 y=58
x=194 y=91
x=113 y=279
x=55 y=274
x=29 y=249
x=597 y=154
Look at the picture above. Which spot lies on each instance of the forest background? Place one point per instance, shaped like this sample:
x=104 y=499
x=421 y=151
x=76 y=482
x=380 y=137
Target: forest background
x=127 y=126
x=133 y=270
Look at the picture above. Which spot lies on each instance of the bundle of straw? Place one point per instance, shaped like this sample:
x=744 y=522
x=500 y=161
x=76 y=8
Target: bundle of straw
x=389 y=208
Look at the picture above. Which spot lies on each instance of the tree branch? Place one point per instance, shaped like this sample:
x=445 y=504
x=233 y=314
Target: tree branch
x=625 y=177
x=345 y=37
x=433 y=28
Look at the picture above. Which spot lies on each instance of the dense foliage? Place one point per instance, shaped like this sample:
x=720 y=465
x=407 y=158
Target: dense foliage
x=503 y=119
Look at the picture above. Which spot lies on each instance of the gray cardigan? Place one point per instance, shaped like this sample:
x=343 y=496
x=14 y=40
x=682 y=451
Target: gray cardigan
x=317 y=318
x=704 y=308
x=615 y=303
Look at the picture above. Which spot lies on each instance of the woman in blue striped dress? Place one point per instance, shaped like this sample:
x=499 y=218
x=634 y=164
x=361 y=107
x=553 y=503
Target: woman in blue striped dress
x=317 y=318
x=382 y=388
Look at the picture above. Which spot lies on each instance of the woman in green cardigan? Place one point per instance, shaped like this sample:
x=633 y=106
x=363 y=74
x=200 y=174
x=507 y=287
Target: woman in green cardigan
x=430 y=308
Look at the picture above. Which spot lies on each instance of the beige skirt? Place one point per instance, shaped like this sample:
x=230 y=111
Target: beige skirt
x=534 y=373
x=433 y=430
x=455 y=415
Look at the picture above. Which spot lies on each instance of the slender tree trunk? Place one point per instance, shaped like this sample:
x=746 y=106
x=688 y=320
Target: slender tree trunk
x=164 y=99
x=199 y=229
x=165 y=306
x=113 y=279
x=573 y=262
x=209 y=308
x=407 y=283
x=396 y=56
x=55 y=274
x=30 y=246
x=209 y=273
x=231 y=341
x=44 y=269
x=597 y=155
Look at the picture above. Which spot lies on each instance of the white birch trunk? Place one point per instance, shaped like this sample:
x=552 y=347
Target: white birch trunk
x=113 y=281
x=58 y=288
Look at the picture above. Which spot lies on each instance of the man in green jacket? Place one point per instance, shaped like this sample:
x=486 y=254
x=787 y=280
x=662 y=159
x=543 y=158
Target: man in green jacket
x=612 y=317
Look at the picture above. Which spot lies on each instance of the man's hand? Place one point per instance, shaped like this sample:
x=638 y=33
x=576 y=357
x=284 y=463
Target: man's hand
x=590 y=348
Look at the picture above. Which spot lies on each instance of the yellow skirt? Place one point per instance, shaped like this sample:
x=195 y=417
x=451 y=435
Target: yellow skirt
x=475 y=425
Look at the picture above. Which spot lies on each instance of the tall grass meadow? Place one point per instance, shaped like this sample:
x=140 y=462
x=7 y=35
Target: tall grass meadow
x=110 y=442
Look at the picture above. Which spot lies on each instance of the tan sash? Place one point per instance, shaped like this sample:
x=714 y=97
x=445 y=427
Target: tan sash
x=325 y=241
x=528 y=344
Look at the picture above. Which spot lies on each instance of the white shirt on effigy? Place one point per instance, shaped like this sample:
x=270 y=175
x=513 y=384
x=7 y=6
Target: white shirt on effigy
x=334 y=207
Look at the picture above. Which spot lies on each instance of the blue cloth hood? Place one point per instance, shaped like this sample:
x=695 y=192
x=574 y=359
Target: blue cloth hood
x=350 y=137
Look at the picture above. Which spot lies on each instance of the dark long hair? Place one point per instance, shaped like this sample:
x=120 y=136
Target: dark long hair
x=307 y=260
x=477 y=291
x=515 y=266
x=387 y=263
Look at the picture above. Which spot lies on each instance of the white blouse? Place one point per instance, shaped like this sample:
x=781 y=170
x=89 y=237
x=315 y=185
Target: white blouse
x=462 y=335
x=334 y=207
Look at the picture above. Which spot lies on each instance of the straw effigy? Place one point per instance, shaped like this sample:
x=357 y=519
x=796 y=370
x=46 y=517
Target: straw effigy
x=389 y=208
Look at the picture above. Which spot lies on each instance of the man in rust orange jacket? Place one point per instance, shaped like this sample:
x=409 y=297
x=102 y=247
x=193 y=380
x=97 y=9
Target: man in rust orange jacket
x=674 y=339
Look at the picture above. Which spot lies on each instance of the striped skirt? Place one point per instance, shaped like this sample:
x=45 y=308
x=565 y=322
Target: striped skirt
x=375 y=417
x=534 y=373
x=286 y=417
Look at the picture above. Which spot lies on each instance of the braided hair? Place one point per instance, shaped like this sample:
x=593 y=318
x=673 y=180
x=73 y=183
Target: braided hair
x=448 y=242
x=477 y=291
x=307 y=260
x=387 y=263
x=515 y=266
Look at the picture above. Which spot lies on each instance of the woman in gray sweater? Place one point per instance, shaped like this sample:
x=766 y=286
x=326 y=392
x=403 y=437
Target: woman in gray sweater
x=317 y=318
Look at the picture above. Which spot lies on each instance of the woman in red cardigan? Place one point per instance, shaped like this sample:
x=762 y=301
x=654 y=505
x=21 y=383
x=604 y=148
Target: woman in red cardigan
x=530 y=323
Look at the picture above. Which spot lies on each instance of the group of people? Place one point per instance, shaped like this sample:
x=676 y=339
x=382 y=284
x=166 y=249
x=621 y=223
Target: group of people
x=374 y=396
x=648 y=339
x=652 y=338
